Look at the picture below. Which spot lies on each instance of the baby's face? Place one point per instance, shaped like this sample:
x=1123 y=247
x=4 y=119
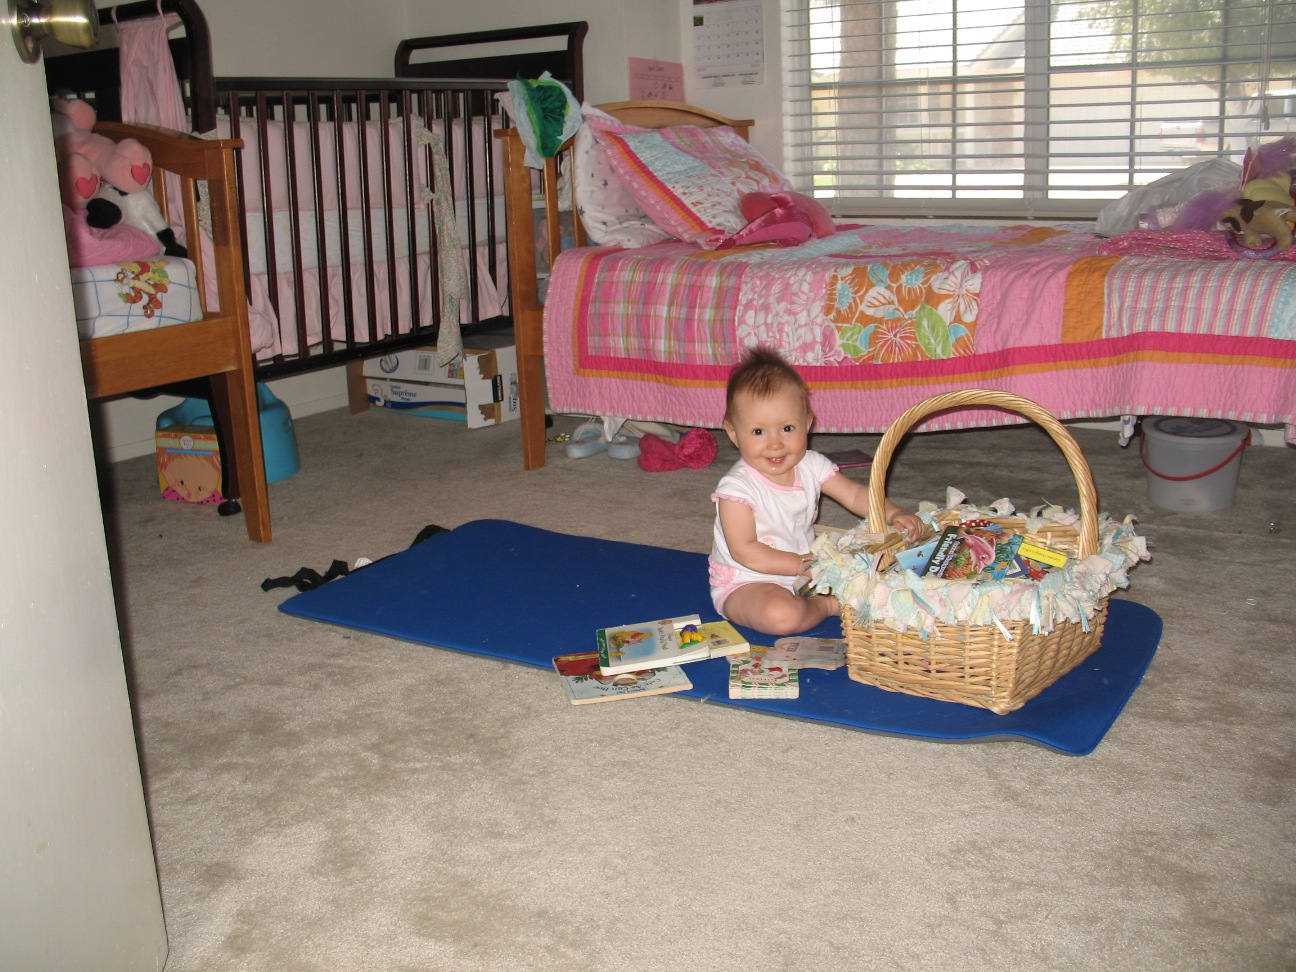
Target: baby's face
x=771 y=433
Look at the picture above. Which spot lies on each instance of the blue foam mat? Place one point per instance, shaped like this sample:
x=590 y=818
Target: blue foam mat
x=518 y=593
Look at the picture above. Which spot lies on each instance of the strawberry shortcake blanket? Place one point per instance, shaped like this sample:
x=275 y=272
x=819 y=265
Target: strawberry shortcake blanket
x=877 y=318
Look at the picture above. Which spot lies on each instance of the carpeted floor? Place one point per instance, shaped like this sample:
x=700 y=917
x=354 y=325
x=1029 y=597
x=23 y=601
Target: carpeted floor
x=326 y=799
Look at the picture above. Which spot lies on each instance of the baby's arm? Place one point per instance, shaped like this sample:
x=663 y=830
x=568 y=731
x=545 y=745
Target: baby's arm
x=739 y=525
x=855 y=497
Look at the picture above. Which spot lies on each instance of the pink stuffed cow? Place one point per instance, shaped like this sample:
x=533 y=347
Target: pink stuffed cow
x=86 y=159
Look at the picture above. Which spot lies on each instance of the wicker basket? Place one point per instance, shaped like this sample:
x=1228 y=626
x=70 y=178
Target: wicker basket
x=972 y=663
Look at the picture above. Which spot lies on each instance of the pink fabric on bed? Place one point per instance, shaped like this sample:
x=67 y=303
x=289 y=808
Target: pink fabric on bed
x=1124 y=336
x=92 y=247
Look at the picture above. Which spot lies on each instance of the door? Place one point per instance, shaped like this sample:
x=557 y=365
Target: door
x=78 y=885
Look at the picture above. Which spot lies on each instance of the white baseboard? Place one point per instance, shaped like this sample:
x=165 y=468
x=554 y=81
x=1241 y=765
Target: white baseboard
x=123 y=429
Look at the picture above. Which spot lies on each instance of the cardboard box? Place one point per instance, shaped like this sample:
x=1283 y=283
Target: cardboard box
x=189 y=464
x=480 y=388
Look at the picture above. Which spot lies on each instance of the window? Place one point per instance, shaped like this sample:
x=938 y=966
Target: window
x=1025 y=107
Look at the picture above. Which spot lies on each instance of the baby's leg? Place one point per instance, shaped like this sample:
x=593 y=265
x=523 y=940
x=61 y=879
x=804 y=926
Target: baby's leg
x=775 y=610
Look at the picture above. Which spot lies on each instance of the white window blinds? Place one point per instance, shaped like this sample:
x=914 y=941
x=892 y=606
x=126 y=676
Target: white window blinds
x=1025 y=107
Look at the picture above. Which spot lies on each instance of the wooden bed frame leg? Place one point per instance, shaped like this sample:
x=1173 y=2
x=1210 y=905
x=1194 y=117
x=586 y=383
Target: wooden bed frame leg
x=531 y=408
x=234 y=400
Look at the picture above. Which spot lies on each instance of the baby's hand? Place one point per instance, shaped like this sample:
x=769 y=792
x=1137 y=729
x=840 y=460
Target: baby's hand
x=907 y=523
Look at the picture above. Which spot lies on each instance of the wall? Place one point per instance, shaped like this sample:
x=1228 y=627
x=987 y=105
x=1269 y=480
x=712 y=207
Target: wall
x=78 y=887
x=304 y=38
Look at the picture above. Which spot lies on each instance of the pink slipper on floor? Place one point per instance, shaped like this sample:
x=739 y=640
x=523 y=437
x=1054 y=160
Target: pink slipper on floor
x=696 y=449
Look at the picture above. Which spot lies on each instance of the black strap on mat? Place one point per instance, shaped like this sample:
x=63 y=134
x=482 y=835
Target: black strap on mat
x=307 y=579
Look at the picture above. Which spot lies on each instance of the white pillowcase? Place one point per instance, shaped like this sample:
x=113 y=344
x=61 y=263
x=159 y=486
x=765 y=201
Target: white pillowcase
x=610 y=214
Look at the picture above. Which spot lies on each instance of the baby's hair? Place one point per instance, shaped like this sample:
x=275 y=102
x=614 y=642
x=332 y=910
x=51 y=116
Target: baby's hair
x=761 y=373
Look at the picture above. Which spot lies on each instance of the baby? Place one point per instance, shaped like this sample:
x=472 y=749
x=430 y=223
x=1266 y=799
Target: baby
x=767 y=503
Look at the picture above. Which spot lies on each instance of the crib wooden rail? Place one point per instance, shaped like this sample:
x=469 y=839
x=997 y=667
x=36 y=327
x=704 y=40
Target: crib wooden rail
x=218 y=346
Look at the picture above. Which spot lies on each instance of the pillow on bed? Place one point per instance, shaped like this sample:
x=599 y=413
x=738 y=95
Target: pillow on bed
x=689 y=180
x=610 y=213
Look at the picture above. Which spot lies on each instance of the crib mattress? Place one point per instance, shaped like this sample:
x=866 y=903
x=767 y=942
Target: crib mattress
x=118 y=298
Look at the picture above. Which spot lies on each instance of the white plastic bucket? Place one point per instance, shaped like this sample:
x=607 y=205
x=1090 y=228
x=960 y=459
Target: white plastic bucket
x=1193 y=463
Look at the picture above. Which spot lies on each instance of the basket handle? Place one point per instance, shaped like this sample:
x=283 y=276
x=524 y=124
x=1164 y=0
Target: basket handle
x=996 y=399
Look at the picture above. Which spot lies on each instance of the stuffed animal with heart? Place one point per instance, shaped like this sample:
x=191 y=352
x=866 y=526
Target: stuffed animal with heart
x=85 y=159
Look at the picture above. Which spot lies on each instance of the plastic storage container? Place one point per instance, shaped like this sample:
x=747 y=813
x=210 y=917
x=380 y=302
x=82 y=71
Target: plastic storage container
x=1193 y=463
x=278 y=441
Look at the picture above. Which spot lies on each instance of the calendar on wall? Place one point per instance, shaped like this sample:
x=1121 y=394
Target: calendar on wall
x=728 y=42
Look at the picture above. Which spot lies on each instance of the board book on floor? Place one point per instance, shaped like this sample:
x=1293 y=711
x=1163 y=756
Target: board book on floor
x=648 y=644
x=585 y=683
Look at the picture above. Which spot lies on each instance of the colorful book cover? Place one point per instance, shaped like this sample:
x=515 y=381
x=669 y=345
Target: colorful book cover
x=1004 y=562
x=751 y=678
x=649 y=644
x=720 y=637
x=916 y=558
x=585 y=683
x=949 y=548
x=1042 y=554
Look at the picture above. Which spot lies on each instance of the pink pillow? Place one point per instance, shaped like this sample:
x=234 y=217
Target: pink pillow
x=757 y=204
x=690 y=181
x=91 y=247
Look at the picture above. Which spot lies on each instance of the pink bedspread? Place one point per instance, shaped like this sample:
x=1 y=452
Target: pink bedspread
x=879 y=318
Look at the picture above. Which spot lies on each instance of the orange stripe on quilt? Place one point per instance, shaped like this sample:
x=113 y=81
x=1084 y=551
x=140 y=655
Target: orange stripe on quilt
x=1089 y=361
x=1084 y=303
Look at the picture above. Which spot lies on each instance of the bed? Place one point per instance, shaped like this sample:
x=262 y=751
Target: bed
x=371 y=208
x=878 y=318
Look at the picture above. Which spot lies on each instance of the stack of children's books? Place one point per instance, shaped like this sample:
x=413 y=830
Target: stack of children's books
x=979 y=550
x=649 y=659
x=645 y=659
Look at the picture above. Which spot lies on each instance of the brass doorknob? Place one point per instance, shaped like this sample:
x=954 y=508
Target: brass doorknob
x=71 y=22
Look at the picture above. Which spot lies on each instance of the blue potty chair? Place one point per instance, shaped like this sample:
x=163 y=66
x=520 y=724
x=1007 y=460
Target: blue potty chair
x=278 y=441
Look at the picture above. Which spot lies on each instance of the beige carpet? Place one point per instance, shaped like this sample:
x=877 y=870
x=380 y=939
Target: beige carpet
x=324 y=799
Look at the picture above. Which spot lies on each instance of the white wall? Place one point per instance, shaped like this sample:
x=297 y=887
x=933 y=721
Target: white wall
x=304 y=38
x=78 y=886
